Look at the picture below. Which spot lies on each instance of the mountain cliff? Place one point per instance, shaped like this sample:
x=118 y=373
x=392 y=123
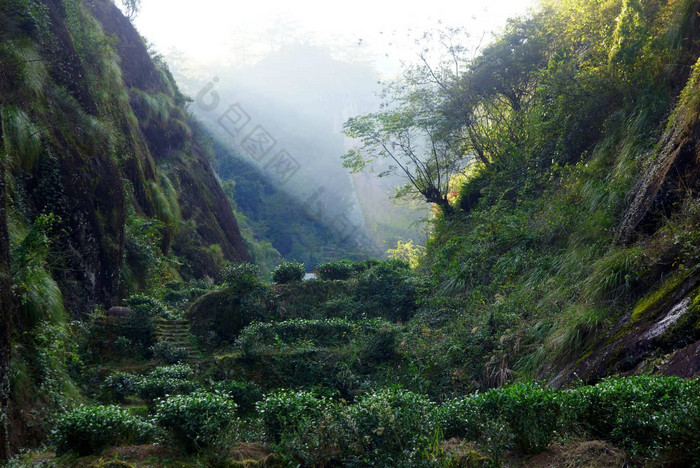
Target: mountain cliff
x=97 y=137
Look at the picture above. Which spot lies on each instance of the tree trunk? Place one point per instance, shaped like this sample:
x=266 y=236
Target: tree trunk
x=6 y=302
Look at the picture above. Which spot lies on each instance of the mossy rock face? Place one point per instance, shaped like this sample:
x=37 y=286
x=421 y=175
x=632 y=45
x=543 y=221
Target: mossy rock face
x=663 y=322
x=657 y=298
x=219 y=316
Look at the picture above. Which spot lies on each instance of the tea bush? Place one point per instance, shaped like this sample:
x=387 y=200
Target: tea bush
x=180 y=295
x=391 y=427
x=388 y=290
x=260 y=336
x=378 y=343
x=460 y=418
x=153 y=388
x=338 y=270
x=531 y=411
x=649 y=415
x=199 y=420
x=245 y=394
x=288 y=272
x=174 y=371
x=140 y=325
x=120 y=385
x=283 y=411
x=219 y=316
x=319 y=440
x=168 y=352
x=89 y=429
x=244 y=275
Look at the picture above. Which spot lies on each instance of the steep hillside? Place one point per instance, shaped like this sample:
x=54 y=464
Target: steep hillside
x=108 y=192
x=571 y=251
x=98 y=136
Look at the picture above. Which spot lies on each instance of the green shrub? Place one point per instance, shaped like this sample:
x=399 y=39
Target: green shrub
x=388 y=290
x=123 y=345
x=260 y=337
x=378 y=344
x=179 y=295
x=338 y=270
x=649 y=415
x=459 y=418
x=532 y=413
x=288 y=272
x=174 y=371
x=317 y=440
x=391 y=427
x=219 y=316
x=153 y=388
x=89 y=429
x=120 y=385
x=168 y=352
x=528 y=412
x=140 y=325
x=283 y=411
x=242 y=274
x=199 y=420
x=245 y=394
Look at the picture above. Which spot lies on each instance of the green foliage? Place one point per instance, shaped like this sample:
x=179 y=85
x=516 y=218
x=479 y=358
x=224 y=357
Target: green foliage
x=460 y=417
x=219 y=316
x=531 y=411
x=152 y=388
x=165 y=199
x=379 y=343
x=198 y=421
x=175 y=371
x=88 y=429
x=246 y=394
x=21 y=138
x=388 y=290
x=338 y=270
x=390 y=427
x=140 y=326
x=324 y=332
x=168 y=352
x=119 y=386
x=143 y=261
x=284 y=410
x=288 y=272
x=243 y=275
x=408 y=252
x=49 y=358
x=39 y=295
x=649 y=415
x=178 y=295
x=529 y=414
x=375 y=337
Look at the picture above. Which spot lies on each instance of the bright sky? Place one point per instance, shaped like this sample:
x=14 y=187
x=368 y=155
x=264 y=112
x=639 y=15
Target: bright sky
x=218 y=31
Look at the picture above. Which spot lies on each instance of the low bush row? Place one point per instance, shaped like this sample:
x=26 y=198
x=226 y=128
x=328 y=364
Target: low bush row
x=317 y=333
x=192 y=422
x=650 y=417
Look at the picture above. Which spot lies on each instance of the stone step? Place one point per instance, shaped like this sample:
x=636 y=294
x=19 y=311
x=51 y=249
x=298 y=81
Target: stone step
x=177 y=333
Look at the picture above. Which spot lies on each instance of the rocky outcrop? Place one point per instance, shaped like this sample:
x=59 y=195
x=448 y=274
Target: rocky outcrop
x=113 y=137
x=659 y=335
x=675 y=165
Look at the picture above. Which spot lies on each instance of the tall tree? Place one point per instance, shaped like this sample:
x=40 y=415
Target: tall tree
x=410 y=136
